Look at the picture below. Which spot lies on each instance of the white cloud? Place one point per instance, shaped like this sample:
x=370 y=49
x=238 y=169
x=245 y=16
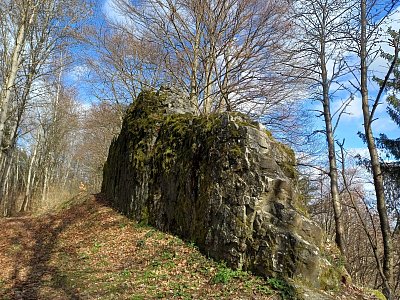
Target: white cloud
x=362 y=152
x=78 y=72
x=380 y=66
x=85 y=106
x=353 y=111
x=385 y=125
x=115 y=15
x=110 y=10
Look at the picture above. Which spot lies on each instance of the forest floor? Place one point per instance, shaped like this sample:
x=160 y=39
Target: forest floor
x=86 y=250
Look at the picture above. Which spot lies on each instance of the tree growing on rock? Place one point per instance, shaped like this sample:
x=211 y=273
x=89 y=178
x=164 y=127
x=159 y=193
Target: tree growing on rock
x=226 y=54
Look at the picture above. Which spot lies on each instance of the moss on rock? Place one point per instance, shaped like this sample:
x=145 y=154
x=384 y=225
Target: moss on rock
x=219 y=181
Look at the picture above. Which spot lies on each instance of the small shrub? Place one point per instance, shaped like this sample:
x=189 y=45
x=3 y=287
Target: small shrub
x=150 y=233
x=122 y=224
x=286 y=291
x=192 y=245
x=125 y=273
x=225 y=274
x=96 y=247
x=141 y=243
x=264 y=289
x=83 y=255
x=167 y=255
x=137 y=297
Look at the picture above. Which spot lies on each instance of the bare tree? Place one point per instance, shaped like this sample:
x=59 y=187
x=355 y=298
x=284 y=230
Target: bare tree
x=22 y=16
x=363 y=238
x=123 y=65
x=32 y=32
x=226 y=54
x=54 y=128
x=365 y=31
x=101 y=124
x=366 y=219
x=319 y=47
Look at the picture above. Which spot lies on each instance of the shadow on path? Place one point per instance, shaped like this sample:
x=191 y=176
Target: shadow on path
x=33 y=243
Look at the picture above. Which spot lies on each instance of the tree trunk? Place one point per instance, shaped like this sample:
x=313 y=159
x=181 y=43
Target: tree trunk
x=207 y=89
x=195 y=67
x=9 y=145
x=28 y=187
x=5 y=188
x=45 y=185
x=5 y=96
x=224 y=89
x=375 y=164
x=17 y=184
x=333 y=172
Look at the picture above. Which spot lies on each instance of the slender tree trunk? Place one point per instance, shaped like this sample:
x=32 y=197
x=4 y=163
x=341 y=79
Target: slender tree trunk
x=10 y=81
x=371 y=239
x=9 y=145
x=68 y=168
x=45 y=185
x=375 y=164
x=7 y=159
x=6 y=180
x=29 y=180
x=225 y=82
x=16 y=58
x=207 y=89
x=17 y=184
x=5 y=175
x=3 y=161
x=195 y=67
x=333 y=172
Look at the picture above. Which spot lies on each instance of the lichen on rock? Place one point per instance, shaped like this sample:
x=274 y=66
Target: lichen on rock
x=220 y=181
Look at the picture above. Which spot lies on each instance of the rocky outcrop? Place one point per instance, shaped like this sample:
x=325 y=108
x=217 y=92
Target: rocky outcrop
x=220 y=181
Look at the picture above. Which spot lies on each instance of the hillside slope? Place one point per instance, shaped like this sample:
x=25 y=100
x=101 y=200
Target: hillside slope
x=88 y=251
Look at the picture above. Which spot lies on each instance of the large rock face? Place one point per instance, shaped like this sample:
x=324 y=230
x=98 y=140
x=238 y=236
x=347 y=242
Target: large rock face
x=221 y=182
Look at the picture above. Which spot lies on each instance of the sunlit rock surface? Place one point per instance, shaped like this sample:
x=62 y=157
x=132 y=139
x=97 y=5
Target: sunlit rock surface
x=220 y=181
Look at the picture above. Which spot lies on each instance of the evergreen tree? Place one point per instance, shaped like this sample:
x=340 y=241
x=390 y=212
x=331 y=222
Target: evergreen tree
x=391 y=169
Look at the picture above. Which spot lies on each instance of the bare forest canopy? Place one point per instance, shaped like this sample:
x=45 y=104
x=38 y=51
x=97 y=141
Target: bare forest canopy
x=69 y=70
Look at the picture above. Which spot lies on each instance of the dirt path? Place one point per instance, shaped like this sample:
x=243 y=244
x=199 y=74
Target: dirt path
x=29 y=252
x=88 y=251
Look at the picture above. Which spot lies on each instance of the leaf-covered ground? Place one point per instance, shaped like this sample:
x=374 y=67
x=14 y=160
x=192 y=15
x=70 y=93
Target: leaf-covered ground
x=88 y=251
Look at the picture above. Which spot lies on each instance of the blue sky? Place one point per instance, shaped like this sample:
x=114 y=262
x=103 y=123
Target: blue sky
x=350 y=124
x=353 y=122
